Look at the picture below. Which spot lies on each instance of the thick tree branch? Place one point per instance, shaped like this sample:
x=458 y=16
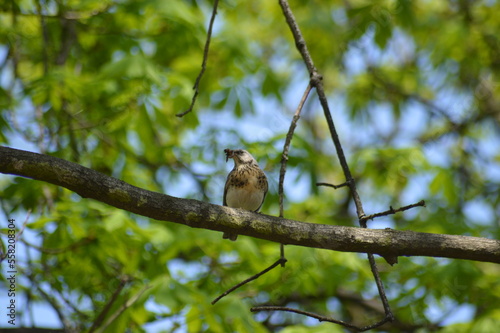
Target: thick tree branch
x=89 y=183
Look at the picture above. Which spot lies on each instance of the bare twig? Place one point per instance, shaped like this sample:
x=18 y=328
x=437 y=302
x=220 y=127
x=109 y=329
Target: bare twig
x=319 y=317
x=107 y=307
x=253 y=277
x=421 y=203
x=73 y=307
x=124 y=307
x=332 y=185
x=286 y=147
x=316 y=81
x=204 y=63
x=284 y=159
x=306 y=313
x=24 y=225
x=55 y=305
x=282 y=254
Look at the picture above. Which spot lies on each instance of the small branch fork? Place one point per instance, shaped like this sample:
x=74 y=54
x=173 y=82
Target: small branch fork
x=316 y=81
x=204 y=63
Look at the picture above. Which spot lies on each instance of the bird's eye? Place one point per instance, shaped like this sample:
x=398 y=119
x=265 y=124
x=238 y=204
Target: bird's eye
x=239 y=152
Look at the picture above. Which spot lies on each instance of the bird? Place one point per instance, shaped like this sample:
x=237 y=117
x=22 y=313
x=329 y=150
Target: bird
x=246 y=185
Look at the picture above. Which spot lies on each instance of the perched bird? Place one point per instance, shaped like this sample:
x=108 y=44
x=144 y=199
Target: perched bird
x=246 y=184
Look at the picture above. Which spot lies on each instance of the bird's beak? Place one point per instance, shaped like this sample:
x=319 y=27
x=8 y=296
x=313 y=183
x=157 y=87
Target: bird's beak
x=229 y=154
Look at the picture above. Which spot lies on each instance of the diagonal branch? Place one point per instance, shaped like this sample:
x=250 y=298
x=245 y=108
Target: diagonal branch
x=100 y=318
x=122 y=308
x=284 y=159
x=316 y=81
x=54 y=303
x=286 y=147
x=89 y=183
x=204 y=63
x=320 y=318
x=250 y=279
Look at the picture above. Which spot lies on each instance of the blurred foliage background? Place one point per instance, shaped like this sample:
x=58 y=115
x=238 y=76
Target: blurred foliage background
x=414 y=90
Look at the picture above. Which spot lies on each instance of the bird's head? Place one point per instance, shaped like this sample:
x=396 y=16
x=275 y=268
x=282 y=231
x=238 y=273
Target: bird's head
x=239 y=156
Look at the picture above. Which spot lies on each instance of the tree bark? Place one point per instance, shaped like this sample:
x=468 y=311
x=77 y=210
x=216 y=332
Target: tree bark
x=89 y=183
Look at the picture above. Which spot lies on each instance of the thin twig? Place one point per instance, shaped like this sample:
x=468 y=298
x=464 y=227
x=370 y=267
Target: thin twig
x=124 y=307
x=73 y=307
x=380 y=287
x=55 y=305
x=306 y=313
x=316 y=81
x=286 y=147
x=421 y=203
x=284 y=159
x=253 y=277
x=24 y=225
x=332 y=185
x=319 y=317
x=107 y=307
x=204 y=63
x=282 y=254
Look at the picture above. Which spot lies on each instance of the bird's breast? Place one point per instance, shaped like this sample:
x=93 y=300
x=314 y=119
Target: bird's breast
x=247 y=197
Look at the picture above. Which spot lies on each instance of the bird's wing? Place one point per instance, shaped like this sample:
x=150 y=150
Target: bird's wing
x=224 y=203
x=262 y=177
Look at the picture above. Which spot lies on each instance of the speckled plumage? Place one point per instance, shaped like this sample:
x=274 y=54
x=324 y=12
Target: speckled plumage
x=246 y=185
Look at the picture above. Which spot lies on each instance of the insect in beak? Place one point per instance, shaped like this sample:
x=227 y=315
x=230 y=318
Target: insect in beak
x=229 y=153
